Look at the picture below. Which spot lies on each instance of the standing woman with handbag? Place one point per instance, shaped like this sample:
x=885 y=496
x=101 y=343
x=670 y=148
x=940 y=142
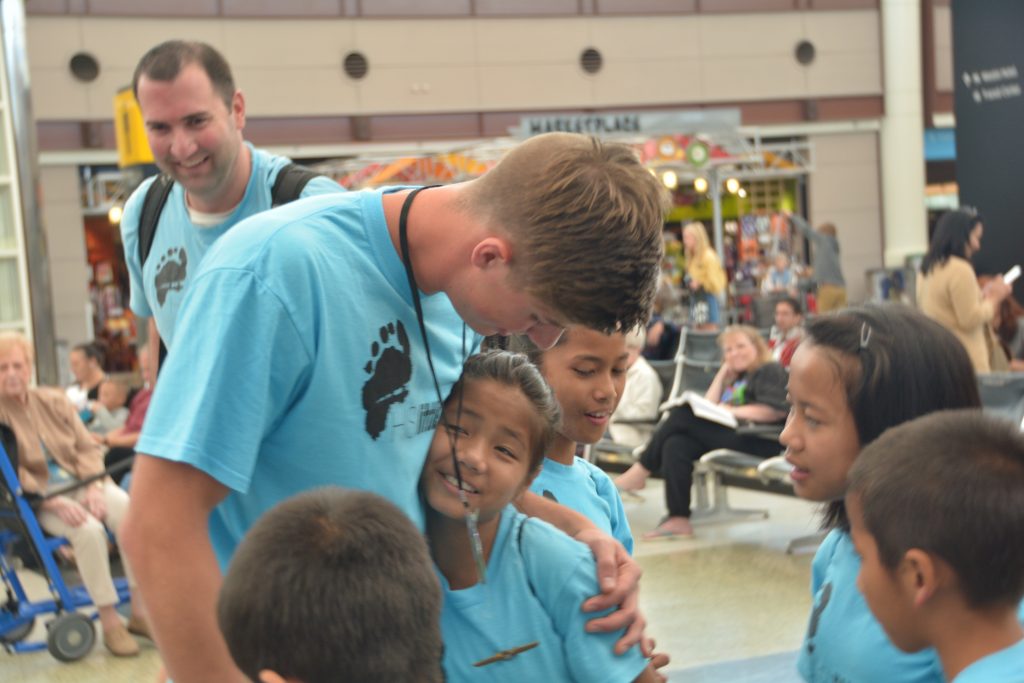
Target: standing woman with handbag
x=705 y=277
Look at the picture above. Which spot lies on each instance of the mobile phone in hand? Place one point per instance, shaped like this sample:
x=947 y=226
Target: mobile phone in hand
x=1011 y=275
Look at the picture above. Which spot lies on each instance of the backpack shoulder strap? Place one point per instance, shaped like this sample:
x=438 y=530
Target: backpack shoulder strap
x=290 y=182
x=152 y=205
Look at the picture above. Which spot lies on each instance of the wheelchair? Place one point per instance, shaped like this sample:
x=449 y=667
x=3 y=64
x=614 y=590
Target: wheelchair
x=70 y=633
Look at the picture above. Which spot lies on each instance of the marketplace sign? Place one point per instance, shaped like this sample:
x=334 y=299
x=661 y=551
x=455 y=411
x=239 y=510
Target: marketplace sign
x=632 y=123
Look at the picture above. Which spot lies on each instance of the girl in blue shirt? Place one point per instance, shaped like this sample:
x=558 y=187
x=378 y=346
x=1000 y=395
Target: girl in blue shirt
x=855 y=375
x=519 y=616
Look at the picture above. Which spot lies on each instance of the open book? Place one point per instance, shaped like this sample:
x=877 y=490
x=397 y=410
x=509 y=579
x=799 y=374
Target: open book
x=703 y=408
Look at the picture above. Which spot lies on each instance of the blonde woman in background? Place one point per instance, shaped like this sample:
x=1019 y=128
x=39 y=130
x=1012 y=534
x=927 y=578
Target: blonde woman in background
x=705 y=277
x=750 y=386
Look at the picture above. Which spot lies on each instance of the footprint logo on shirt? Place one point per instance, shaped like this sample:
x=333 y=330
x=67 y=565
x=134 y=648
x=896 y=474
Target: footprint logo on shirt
x=390 y=369
x=550 y=496
x=170 y=273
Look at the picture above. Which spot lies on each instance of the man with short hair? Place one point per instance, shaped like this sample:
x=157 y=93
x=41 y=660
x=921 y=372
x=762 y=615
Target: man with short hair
x=301 y=359
x=787 y=331
x=194 y=117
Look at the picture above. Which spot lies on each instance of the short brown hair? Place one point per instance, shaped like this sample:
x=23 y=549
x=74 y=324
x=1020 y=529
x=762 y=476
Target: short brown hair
x=333 y=583
x=585 y=220
x=951 y=484
x=165 y=61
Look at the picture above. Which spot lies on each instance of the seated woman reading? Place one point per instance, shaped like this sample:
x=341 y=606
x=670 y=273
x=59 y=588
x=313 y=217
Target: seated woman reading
x=749 y=386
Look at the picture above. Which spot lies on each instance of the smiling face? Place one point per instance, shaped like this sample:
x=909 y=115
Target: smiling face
x=738 y=352
x=587 y=372
x=881 y=586
x=195 y=137
x=820 y=436
x=496 y=434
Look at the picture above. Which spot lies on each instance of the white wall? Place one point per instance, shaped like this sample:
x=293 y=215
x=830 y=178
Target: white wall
x=845 y=189
x=65 y=238
x=942 y=19
x=292 y=67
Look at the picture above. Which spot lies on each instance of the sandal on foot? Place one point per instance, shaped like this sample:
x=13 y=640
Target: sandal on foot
x=660 y=533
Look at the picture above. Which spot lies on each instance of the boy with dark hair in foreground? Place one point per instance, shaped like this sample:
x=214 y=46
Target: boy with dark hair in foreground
x=936 y=509
x=332 y=585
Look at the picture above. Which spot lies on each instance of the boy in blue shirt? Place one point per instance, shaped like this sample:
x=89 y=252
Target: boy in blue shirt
x=936 y=509
x=333 y=584
x=587 y=371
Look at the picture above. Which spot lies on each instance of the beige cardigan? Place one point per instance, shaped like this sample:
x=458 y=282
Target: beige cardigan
x=50 y=418
x=950 y=295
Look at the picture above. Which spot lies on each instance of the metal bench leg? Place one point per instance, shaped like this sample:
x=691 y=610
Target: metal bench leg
x=721 y=511
x=700 y=504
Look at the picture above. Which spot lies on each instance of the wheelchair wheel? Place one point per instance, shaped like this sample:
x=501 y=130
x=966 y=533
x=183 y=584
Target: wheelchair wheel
x=16 y=635
x=71 y=637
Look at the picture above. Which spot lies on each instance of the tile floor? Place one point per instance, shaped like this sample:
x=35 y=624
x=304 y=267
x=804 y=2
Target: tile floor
x=729 y=605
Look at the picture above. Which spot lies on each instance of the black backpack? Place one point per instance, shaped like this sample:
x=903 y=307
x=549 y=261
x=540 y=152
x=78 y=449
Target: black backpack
x=291 y=181
x=288 y=185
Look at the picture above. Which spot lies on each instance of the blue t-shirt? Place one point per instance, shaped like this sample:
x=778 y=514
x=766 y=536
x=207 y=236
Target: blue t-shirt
x=844 y=642
x=1005 y=666
x=179 y=245
x=537 y=581
x=300 y=363
x=586 y=489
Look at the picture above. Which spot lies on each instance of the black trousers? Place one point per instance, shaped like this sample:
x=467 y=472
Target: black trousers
x=681 y=440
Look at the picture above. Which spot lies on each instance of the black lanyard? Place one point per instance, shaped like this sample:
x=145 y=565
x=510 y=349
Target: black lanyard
x=471 y=516
x=403 y=241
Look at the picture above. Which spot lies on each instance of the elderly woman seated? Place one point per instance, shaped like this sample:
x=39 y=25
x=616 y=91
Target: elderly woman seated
x=54 y=449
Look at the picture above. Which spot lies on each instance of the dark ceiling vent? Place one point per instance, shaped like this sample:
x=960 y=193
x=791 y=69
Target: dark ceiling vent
x=355 y=65
x=805 y=52
x=591 y=60
x=84 y=67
